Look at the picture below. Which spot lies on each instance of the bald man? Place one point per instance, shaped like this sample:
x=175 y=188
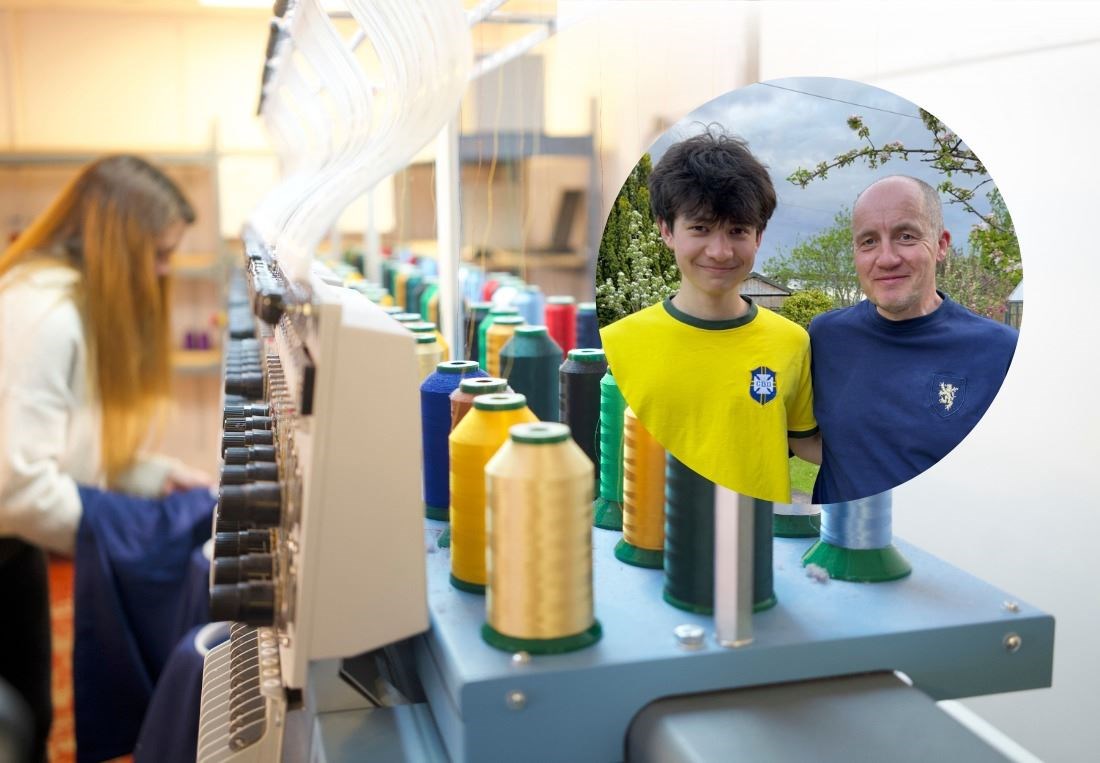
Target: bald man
x=900 y=378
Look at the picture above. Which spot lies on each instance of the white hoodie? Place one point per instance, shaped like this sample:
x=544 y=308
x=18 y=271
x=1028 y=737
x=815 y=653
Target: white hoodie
x=49 y=419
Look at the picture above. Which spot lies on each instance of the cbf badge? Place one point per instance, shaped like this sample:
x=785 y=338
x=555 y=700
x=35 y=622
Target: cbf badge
x=762 y=387
x=946 y=394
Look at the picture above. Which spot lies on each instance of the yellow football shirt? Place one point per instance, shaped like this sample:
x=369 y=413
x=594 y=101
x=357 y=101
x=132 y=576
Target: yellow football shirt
x=721 y=396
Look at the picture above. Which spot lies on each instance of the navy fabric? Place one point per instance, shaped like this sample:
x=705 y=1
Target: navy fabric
x=894 y=397
x=169 y=733
x=134 y=598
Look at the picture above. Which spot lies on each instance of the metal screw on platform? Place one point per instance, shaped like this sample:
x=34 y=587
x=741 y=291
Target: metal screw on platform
x=516 y=700
x=689 y=636
x=521 y=658
x=1013 y=642
x=1012 y=607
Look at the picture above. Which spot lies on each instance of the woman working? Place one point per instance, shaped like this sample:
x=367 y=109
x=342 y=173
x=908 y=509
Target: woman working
x=84 y=373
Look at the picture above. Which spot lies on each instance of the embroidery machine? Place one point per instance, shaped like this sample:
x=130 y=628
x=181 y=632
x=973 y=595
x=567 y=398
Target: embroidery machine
x=353 y=645
x=355 y=572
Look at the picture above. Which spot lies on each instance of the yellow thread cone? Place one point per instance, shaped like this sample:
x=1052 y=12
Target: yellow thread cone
x=428 y=355
x=643 y=495
x=473 y=442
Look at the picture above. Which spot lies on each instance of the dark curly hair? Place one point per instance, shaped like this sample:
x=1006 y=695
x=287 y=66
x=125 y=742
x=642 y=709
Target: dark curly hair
x=712 y=177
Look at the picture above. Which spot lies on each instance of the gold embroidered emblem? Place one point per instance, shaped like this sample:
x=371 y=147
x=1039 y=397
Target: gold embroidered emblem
x=947 y=395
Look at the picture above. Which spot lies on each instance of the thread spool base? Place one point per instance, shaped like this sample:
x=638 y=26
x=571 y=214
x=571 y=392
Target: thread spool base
x=462 y=585
x=874 y=565
x=435 y=512
x=585 y=638
x=796 y=525
x=445 y=538
x=757 y=606
x=607 y=514
x=639 y=557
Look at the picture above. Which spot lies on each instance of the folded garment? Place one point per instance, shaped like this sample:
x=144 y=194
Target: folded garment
x=137 y=591
x=169 y=733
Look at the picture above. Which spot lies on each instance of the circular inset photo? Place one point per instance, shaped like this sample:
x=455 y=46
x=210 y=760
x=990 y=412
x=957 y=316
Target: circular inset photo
x=814 y=267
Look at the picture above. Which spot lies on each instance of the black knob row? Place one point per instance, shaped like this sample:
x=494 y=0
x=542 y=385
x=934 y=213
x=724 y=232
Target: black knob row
x=244 y=455
x=247 y=439
x=250 y=422
x=252 y=602
x=245 y=410
x=250 y=384
x=259 y=503
x=257 y=471
x=243 y=542
x=244 y=569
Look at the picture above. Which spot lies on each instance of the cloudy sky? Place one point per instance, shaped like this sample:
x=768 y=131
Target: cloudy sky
x=798 y=122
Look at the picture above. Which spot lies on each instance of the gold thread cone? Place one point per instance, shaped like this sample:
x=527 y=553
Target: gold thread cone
x=539 y=521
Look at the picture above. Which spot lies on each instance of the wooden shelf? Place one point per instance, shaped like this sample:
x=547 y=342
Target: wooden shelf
x=502 y=259
x=197 y=361
x=196 y=264
x=32 y=156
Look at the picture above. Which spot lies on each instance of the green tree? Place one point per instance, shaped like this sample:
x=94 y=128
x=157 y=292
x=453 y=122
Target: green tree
x=633 y=197
x=643 y=279
x=801 y=307
x=823 y=262
x=994 y=241
x=966 y=280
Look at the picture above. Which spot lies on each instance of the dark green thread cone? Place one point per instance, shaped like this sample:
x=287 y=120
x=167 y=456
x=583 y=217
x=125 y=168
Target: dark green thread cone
x=796 y=525
x=757 y=606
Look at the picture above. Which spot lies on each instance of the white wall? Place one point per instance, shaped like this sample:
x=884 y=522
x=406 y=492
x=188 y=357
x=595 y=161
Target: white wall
x=1015 y=503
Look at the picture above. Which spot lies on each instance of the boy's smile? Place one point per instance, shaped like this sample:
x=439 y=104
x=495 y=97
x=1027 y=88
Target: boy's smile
x=714 y=258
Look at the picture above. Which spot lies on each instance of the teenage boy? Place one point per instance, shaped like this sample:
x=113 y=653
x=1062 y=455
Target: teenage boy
x=721 y=383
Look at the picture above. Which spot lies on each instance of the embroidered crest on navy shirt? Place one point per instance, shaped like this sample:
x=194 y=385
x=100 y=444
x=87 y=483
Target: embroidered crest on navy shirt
x=947 y=394
x=763 y=387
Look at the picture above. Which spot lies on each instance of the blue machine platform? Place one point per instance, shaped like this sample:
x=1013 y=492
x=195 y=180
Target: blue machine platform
x=948 y=631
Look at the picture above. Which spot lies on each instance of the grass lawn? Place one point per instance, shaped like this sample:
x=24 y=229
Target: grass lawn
x=803 y=475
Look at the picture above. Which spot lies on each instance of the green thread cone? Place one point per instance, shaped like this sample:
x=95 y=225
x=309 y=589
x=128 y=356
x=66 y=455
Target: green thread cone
x=873 y=565
x=608 y=508
x=796 y=525
x=639 y=557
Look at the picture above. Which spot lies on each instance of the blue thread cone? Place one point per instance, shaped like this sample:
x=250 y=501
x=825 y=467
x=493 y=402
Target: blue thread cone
x=435 y=418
